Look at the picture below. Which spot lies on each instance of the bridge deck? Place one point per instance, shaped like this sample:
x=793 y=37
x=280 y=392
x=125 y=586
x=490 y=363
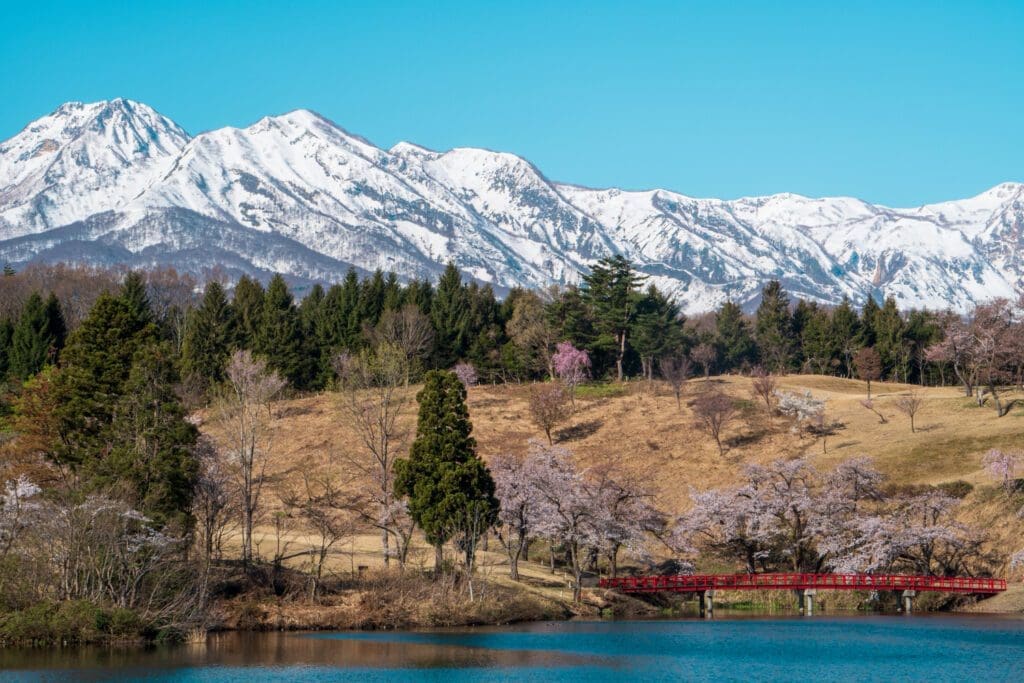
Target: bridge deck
x=696 y=583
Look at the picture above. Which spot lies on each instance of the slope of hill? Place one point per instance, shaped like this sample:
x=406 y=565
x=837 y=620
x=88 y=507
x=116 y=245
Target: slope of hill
x=116 y=182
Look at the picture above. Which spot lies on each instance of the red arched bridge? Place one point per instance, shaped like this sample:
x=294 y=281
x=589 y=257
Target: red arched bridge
x=806 y=585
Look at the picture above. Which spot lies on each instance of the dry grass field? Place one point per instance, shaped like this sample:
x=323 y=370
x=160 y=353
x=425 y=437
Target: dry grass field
x=639 y=427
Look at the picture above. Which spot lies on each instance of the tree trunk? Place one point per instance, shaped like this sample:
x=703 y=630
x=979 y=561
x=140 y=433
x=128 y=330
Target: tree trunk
x=438 y=559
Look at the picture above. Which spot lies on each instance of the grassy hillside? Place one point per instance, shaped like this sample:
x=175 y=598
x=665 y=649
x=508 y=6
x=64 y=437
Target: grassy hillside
x=639 y=426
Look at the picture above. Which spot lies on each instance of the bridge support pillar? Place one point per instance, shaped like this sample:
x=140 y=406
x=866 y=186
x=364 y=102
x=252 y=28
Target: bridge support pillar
x=908 y=600
x=806 y=600
x=707 y=603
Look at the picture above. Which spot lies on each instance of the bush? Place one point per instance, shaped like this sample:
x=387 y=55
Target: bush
x=72 y=622
x=956 y=489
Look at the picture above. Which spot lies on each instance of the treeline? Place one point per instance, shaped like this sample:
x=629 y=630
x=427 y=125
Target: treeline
x=626 y=328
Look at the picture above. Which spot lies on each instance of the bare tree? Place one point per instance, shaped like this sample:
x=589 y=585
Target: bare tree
x=212 y=502
x=870 y=405
x=408 y=330
x=764 y=386
x=374 y=400
x=549 y=407
x=869 y=365
x=676 y=370
x=531 y=331
x=909 y=405
x=705 y=356
x=712 y=411
x=247 y=424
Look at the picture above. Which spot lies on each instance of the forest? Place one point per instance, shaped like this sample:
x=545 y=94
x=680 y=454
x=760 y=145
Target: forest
x=137 y=424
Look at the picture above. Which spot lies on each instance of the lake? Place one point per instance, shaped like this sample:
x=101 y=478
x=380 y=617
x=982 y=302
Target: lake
x=822 y=648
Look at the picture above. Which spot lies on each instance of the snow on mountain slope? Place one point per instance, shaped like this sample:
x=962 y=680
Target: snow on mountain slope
x=115 y=182
x=81 y=160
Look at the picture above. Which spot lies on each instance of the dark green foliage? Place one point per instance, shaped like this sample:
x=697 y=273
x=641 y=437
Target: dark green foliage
x=449 y=312
x=846 y=332
x=774 y=329
x=6 y=333
x=733 y=339
x=867 y=322
x=280 y=336
x=611 y=292
x=133 y=292
x=248 y=308
x=209 y=337
x=68 y=623
x=889 y=342
x=444 y=479
x=96 y=363
x=658 y=330
x=38 y=336
x=820 y=348
x=150 y=462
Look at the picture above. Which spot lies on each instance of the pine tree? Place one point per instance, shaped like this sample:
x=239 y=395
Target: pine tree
x=315 y=336
x=612 y=293
x=846 y=332
x=209 y=336
x=279 y=338
x=888 y=328
x=394 y=297
x=775 y=328
x=658 y=329
x=867 y=322
x=96 y=363
x=448 y=486
x=150 y=461
x=31 y=341
x=821 y=349
x=248 y=308
x=371 y=300
x=133 y=292
x=735 y=343
x=450 y=313
x=6 y=332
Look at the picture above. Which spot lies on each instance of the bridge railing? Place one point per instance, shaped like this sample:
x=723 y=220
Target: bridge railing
x=694 y=583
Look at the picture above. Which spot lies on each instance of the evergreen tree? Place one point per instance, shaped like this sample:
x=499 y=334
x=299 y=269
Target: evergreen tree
x=8 y=270
x=248 y=308
x=6 y=332
x=658 y=330
x=450 y=315
x=150 y=461
x=133 y=292
x=96 y=363
x=394 y=296
x=209 y=337
x=351 y=323
x=371 y=300
x=888 y=328
x=56 y=325
x=280 y=338
x=421 y=294
x=612 y=293
x=735 y=343
x=449 y=489
x=32 y=341
x=820 y=347
x=775 y=328
x=846 y=333
x=867 y=322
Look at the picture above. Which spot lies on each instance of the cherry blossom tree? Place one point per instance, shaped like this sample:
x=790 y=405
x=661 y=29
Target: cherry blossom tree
x=705 y=356
x=515 y=481
x=466 y=373
x=764 y=386
x=571 y=366
x=910 y=404
x=676 y=370
x=548 y=407
x=1002 y=466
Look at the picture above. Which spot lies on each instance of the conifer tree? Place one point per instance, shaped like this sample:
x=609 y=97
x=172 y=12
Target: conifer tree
x=888 y=327
x=867 y=322
x=449 y=313
x=6 y=332
x=279 y=338
x=448 y=487
x=820 y=347
x=209 y=336
x=611 y=292
x=96 y=363
x=133 y=292
x=845 y=334
x=658 y=330
x=56 y=325
x=150 y=462
x=248 y=308
x=775 y=328
x=733 y=338
x=32 y=340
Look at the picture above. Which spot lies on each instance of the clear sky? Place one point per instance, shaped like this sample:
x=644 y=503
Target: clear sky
x=897 y=103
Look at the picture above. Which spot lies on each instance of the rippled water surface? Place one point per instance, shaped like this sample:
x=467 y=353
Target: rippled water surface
x=856 y=648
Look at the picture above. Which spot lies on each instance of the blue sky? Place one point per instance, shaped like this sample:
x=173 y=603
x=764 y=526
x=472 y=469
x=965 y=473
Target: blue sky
x=898 y=103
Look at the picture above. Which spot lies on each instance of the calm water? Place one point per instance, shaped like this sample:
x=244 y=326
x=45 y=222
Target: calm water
x=856 y=648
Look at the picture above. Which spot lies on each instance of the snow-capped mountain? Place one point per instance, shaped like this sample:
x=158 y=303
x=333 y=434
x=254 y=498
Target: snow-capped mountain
x=116 y=182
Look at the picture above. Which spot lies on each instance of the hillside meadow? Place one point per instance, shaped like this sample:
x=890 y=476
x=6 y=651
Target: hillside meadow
x=639 y=427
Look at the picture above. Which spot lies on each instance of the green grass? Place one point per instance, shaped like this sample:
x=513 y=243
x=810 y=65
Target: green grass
x=601 y=390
